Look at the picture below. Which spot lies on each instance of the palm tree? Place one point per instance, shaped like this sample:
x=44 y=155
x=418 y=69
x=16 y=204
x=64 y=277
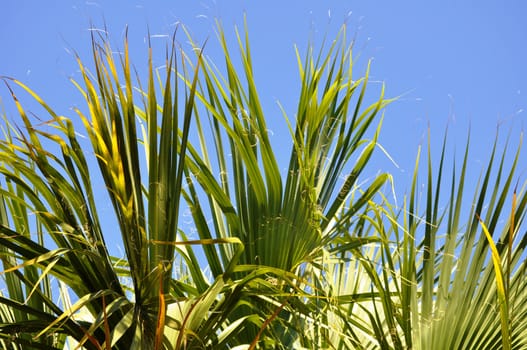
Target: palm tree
x=451 y=285
x=313 y=258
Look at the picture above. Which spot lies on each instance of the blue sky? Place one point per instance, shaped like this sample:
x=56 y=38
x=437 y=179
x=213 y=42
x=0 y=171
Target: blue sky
x=457 y=63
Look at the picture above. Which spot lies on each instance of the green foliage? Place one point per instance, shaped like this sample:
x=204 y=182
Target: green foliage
x=310 y=258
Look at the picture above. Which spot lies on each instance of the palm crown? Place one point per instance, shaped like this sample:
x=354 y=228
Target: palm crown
x=311 y=258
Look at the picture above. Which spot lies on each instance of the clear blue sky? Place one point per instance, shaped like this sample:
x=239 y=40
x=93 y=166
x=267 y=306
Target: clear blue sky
x=456 y=62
